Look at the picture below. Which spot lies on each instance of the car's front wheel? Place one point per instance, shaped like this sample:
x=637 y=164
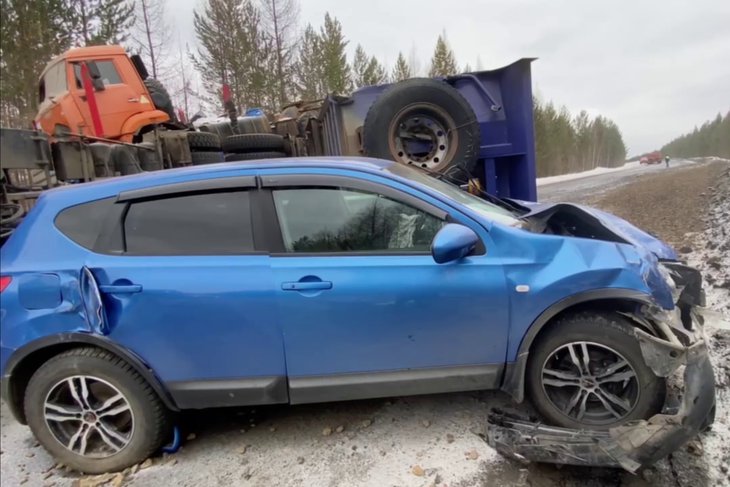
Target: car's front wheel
x=94 y=412
x=587 y=372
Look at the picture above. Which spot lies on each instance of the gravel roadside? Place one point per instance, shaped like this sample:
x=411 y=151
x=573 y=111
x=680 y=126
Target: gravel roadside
x=433 y=440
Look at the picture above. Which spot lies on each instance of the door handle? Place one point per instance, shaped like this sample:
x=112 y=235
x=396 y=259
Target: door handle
x=306 y=285
x=133 y=100
x=121 y=289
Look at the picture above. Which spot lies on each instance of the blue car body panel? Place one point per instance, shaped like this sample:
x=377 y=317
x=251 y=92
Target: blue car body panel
x=205 y=318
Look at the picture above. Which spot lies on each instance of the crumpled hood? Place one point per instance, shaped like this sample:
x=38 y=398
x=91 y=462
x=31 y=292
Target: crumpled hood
x=613 y=224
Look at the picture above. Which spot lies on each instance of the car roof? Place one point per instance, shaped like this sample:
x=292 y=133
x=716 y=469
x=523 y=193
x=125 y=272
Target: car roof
x=102 y=188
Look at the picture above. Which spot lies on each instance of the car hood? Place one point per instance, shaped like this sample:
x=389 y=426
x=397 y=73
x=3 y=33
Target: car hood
x=583 y=221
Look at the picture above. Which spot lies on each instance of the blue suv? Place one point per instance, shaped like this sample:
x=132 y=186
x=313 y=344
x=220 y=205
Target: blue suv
x=312 y=280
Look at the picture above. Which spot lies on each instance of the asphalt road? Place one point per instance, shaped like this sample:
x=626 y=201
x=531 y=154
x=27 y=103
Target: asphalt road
x=586 y=188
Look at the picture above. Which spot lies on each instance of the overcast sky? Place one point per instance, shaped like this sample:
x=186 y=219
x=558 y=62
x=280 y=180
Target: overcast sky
x=656 y=67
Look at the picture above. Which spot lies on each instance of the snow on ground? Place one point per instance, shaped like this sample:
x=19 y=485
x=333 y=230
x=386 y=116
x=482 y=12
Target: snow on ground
x=584 y=174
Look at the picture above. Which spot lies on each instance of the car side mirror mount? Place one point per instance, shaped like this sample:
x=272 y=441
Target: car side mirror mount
x=453 y=242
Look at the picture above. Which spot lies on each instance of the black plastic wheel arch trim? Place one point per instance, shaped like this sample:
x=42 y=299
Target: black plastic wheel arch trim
x=513 y=382
x=71 y=340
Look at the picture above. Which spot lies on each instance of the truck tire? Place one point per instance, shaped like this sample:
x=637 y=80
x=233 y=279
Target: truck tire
x=251 y=156
x=117 y=432
x=200 y=158
x=254 y=143
x=617 y=387
x=204 y=142
x=160 y=97
x=425 y=123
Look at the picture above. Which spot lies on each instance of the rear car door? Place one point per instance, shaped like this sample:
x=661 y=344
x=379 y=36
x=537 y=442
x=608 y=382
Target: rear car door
x=183 y=287
x=364 y=309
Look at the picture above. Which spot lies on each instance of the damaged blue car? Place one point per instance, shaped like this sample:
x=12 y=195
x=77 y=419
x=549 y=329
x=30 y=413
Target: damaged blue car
x=312 y=280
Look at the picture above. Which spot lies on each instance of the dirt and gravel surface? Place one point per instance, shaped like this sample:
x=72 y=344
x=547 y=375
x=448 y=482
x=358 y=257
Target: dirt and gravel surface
x=437 y=440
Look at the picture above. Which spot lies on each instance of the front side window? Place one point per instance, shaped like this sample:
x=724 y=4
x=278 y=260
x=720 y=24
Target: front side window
x=346 y=220
x=195 y=224
x=107 y=70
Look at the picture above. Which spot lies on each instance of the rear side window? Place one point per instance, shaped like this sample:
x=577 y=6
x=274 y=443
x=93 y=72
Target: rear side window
x=83 y=223
x=197 y=224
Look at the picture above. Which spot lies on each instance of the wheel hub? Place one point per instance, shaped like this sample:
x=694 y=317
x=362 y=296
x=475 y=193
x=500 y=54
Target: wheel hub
x=422 y=135
x=89 y=416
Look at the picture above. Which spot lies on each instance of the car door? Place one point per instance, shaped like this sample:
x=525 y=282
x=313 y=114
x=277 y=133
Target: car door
x=364 y=309
x=184 y=288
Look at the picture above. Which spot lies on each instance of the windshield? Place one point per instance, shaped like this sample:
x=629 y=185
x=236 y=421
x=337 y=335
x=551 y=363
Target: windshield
x=453 y=192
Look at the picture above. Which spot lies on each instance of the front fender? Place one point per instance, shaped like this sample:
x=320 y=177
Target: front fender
x=134 y=123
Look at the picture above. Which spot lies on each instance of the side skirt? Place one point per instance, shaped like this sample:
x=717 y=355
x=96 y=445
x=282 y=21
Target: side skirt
x=345 y=387
x=230 y=392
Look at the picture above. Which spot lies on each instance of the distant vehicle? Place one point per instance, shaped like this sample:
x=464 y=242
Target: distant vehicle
x=314 y=280
x=652 y=158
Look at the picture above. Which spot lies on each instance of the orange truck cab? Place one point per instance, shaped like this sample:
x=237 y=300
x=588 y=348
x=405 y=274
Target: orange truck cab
x=124 y=104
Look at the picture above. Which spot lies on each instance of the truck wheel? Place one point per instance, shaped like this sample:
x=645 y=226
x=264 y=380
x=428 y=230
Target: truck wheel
x=94 y=412
x=254 y=143
x=251 y=156
x=204 y=142
x=425 y=123
x=587 y=371
x=199 y=158
x=160 y=97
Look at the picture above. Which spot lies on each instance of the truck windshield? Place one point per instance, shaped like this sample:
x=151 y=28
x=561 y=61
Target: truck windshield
x=453 y=192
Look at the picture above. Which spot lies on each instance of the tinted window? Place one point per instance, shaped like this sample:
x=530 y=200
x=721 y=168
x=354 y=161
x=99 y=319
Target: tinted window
x=198 y=224
x=108 y=72
x=343 y=220
x=82 y=223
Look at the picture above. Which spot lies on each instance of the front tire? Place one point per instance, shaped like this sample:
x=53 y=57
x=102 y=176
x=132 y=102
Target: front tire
x=94 y=412
x=587 y=372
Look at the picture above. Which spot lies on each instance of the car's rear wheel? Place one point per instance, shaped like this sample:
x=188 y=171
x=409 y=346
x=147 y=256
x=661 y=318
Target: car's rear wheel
x=94 y=412
x=587 y=371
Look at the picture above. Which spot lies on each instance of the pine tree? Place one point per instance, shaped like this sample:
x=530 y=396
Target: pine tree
x=280 y=19
x=308 y=69
x=98 y=22
x=31 y=33
x=375 y=73
x=152 y=35
x=442 y=62
x=359 y=66
x=711 y=139
x=467 y=68
x=335 y=68
x=401 y=71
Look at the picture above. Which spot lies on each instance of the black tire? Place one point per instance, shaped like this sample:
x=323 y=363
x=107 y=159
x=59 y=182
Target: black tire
x=250 y=156
x=435 y=111
x=160 y=97
x=644 y=393
x=254 y=143
x=204 y=142
x=199 y=158
x=150 y=419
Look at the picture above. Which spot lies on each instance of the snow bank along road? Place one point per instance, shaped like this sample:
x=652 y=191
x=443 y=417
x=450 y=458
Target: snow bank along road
x=432 y=440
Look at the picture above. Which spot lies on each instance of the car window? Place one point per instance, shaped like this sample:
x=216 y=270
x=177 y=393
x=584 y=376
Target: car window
x=82 y=223
x=196 y=224
x=346 y=220
x=109 y=73
x=54 y=81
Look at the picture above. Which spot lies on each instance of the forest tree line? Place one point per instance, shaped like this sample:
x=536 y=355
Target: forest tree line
x=711 y=139
x=261 y=50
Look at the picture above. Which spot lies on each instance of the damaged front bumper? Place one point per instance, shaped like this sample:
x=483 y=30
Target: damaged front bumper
x=670 y=341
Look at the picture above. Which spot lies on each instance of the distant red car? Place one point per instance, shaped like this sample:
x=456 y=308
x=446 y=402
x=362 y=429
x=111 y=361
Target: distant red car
x=651 y=158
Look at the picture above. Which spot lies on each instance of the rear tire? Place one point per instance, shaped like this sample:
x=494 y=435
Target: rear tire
x=55 y=415
x=200 y=158
x=254 y=143
x=204 y=142
x=601 y=398
x=251 y=156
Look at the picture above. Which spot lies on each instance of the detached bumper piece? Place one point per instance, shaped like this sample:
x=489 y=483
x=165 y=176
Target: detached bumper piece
x=630 y=446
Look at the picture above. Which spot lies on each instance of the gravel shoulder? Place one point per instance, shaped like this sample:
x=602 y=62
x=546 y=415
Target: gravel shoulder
x=436 y=440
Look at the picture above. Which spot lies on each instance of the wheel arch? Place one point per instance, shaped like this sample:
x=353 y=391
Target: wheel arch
x=25 y=361
x=610 y=299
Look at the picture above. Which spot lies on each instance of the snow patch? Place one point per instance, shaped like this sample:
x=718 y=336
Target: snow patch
x=585 y=174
